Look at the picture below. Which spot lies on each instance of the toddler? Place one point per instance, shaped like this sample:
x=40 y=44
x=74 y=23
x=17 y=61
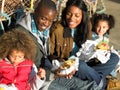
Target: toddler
x=17 y=70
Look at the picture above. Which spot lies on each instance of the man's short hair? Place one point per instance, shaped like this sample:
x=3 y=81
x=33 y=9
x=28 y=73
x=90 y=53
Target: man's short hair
x=45 y=3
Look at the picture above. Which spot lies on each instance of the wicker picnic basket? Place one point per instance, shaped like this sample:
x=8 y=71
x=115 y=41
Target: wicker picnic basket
x=113 y=83
x=9 y=7
x=95 y=6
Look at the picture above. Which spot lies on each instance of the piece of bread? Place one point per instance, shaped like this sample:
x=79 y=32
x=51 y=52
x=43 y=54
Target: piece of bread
x=67 y=64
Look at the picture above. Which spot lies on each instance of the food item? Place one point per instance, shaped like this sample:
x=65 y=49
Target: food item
x=1 y=88
x=103 y=45
x=67 y=64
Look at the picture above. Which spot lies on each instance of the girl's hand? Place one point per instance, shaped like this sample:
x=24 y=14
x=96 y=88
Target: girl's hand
x=41 y=73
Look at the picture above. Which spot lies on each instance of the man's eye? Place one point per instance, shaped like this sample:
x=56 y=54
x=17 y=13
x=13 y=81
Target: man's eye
x=43 y=18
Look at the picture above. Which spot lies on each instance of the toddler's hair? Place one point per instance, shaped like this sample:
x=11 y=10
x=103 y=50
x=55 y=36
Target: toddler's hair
x=18 y=40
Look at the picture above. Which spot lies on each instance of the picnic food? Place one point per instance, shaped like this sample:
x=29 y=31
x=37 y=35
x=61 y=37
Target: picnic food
x=103 y=45
x=1 y=88
x=67 y=64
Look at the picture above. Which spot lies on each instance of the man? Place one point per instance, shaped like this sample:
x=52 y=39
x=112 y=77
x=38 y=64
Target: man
x=37 y=25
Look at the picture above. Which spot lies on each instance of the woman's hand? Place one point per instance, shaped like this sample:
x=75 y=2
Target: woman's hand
x=41 y=73
x=69 y=76
x=58 y=74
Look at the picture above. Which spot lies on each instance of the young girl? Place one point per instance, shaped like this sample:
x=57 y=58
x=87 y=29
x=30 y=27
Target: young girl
x=98 y=47
x=101 y=61
x=17 y=70
x=102 y=24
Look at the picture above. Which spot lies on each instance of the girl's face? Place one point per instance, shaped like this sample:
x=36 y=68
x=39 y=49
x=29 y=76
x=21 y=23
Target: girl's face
x=102 y=27
x=73 y=17
x=16 y=57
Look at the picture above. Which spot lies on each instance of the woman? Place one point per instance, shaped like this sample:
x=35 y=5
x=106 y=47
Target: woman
x=68 y=36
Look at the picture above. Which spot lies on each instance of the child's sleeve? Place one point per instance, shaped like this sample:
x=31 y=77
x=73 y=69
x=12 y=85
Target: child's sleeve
x=34 y=81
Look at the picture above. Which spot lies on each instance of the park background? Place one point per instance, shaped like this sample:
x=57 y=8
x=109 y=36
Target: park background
x=113 y=8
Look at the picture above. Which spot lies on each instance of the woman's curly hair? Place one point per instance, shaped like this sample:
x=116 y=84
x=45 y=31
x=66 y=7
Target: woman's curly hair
x=18 y=40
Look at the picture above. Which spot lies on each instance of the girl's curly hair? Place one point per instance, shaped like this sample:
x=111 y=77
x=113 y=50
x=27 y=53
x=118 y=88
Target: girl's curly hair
x=18 y=40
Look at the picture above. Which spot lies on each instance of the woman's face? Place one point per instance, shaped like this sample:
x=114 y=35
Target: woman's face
x=44 y=18
x=102 y=27
x=73 y=16
x=16 y=57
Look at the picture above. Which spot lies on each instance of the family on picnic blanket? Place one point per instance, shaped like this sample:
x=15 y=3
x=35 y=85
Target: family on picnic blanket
x=40 y=53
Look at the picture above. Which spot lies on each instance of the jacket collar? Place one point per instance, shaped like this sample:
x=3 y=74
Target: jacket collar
x=67 y=32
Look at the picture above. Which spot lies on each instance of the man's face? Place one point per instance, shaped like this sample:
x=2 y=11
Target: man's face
x=44 y=18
